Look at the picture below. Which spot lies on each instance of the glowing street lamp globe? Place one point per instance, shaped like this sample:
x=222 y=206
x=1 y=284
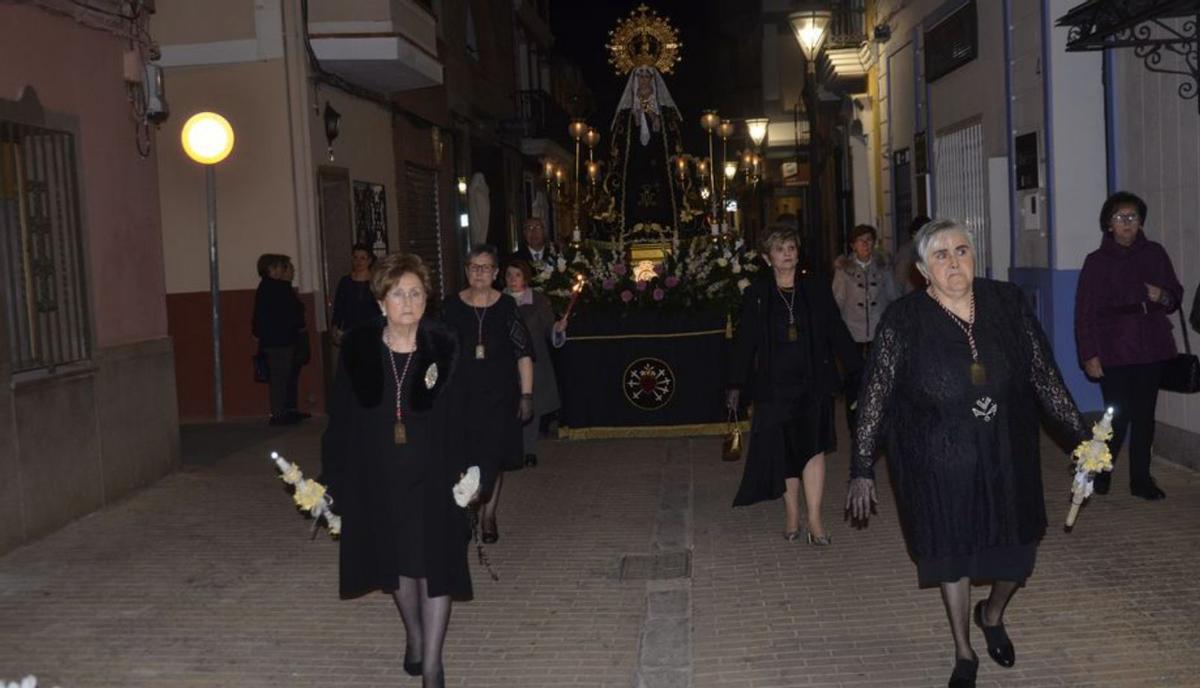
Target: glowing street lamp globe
x=757 y=128
x=207 y=138
x=810 y=27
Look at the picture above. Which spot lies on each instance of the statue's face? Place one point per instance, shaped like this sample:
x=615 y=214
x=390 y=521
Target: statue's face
x=645 y=84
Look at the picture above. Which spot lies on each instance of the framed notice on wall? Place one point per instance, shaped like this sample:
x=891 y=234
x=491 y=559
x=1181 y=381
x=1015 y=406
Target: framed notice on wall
x=370 y=216
x=1026 y=152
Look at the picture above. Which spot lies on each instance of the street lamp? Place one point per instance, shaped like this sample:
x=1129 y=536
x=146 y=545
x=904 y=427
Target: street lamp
x=577 y=129
x=757 y=128
x=208 y=139
x=810 y=26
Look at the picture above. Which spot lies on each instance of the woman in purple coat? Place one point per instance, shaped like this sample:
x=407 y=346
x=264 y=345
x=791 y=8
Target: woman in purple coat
x=1126 y=291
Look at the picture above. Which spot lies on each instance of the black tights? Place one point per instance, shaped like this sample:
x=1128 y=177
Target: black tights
x=957 y=598
x=425 y=621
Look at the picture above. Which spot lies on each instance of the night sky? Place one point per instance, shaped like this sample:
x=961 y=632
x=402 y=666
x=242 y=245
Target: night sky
x=719 y=68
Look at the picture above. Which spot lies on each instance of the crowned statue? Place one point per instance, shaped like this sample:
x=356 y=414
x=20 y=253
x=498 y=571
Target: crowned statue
x=645 y=201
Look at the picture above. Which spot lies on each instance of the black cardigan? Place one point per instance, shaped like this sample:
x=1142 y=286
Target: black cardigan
x=750 y=360
x=354 y=445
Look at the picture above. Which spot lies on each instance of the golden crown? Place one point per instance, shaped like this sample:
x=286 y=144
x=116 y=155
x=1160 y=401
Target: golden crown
x=644 y=39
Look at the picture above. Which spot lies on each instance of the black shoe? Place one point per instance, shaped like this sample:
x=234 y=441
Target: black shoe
x=412 y=668
x=1102 y=482
x=489 y=536
x=1000 y=648
x=1147 y=489
x=964 y=673
x=531 y=460
x=297 y=416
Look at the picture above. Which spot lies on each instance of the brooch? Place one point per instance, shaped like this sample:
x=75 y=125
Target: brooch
x=431 y=376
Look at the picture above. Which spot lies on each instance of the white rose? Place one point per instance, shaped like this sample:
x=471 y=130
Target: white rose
x=742 y=284
x=736 y=268
x=562 y=264
x=722 y=262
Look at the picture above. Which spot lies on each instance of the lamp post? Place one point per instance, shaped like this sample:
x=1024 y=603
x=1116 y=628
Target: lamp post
x=810 y=26
x=577 y=129
x=756 y=128
x=710 y=120
x=208 y=139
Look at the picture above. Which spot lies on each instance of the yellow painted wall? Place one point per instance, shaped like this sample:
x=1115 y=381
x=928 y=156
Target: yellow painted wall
x=255 y=206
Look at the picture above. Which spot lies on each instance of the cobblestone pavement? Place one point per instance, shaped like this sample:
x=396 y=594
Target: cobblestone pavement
x=209 y=578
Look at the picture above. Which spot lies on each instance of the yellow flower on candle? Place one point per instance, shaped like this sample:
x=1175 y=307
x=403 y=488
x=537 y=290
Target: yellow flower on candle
x=292 y=475
x=309 y=494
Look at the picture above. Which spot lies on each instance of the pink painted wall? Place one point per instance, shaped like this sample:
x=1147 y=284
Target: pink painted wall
x=77 y=71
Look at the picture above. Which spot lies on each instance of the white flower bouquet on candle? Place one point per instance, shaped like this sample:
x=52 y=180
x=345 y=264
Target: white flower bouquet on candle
x=1091 y=457
x=309 y=495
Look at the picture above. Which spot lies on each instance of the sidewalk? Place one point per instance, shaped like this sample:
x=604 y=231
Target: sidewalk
x=209 y=578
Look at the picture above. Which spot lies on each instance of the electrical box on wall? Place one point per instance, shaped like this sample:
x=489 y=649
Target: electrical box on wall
x=1030 y=204
x=1032 y=248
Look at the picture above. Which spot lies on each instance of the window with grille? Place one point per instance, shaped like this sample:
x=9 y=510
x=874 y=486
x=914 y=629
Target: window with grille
x=41 y=253
x=960 y=176
x=420 y=232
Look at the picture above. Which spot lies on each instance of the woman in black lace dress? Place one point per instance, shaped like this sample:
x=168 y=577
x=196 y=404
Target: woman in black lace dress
x=949 y=394
x=497 y=365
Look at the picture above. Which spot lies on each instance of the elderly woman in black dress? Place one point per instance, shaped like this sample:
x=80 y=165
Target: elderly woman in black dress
x=498 y=367
x=788 y=333
x=949 y=393
x=391 y=457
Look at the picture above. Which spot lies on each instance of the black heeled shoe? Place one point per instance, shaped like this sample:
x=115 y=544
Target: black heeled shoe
x=489 y=537
x=964 y=674
x=531 y=460
x=1147 y=489
x=1102 y=482
x=1000 y=648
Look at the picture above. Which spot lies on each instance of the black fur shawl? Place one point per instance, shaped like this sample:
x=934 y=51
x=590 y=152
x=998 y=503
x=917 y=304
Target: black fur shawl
x=363 y=359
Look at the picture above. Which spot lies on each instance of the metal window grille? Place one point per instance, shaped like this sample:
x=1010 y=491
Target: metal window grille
x=422 y=229
x=42 y=253
x=960 y=179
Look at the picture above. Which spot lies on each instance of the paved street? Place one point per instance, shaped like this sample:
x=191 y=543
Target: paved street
x=209 y=578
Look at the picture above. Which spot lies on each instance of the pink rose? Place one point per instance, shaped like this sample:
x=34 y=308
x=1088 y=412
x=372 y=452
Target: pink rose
x=619 y=269
x=672 y=281
x=608 y=284
x=641 y=286
x=626 y=296
x=659 y=294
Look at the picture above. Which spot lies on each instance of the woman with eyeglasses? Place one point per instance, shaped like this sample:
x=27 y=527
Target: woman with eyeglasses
x=497 y=366
x=1127 y=290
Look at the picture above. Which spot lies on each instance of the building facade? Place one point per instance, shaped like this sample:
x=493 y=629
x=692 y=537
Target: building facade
x=87 y=387
x=355 y=122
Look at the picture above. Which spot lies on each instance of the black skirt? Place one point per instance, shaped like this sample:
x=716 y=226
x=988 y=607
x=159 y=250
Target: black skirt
x=784 y=435
x=1000 y=563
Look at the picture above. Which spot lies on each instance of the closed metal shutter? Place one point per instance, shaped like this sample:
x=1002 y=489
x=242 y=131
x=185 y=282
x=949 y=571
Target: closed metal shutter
x=420 y=232
x=960 y=176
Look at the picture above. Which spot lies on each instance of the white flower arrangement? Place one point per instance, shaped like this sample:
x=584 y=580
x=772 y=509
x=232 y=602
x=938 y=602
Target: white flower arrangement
x=29 y=681
x=309 y=495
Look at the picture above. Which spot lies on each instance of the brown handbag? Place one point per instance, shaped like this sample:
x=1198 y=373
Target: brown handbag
x=731 y=448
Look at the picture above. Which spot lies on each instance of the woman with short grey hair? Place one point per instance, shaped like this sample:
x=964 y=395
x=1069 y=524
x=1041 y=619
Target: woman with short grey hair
x=946 y=393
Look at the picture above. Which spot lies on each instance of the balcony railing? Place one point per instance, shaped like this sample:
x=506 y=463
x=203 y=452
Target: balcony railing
x=848 y=26
x=540 y=117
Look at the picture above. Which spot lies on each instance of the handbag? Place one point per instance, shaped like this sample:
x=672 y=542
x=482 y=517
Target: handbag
x=262 y=373
x=731 y=448
x=1182 y=373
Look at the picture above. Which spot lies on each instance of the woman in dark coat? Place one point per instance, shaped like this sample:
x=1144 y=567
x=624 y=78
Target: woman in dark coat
x=544 y=331
x=951 y=384
x=391 y=457
x=1127 y=290
x=279 y=328
x=497 y=365
x=783 y=355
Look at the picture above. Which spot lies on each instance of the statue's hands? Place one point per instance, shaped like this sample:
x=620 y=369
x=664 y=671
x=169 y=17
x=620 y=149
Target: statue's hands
x=860 y=500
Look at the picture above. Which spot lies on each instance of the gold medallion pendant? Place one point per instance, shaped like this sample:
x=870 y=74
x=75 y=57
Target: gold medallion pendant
x=401 y=434
x=978 y=374
x=792 y=334
x=480 y=353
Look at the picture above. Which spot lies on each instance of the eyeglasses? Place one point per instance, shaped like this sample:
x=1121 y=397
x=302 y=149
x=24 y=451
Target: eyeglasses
x=1127 y=218
x=475 y=269
x=412 y=295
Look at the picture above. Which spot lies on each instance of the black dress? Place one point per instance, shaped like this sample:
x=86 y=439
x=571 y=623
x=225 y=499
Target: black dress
x=399 y=517
x=353 y=303
x=963 y=456
x=791 y=381
x=492 y=429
